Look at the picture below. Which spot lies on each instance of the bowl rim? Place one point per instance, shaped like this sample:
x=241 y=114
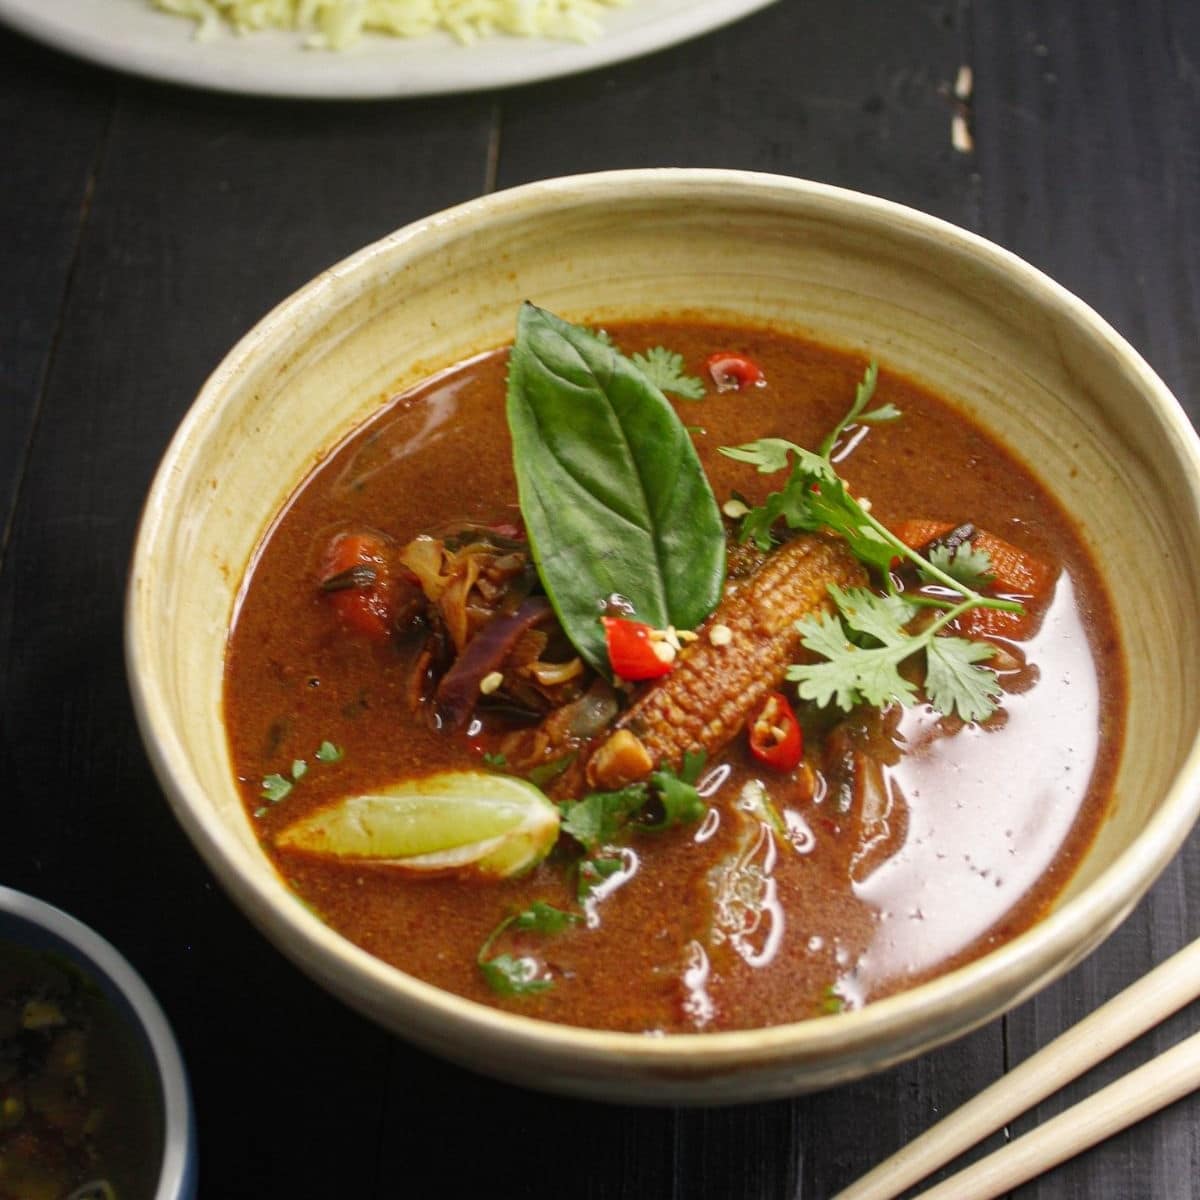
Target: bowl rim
x=1063 y=937
x=101 y=958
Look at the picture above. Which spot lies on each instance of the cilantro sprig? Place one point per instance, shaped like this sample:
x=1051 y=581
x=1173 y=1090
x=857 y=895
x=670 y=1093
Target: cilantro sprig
x=858 y=414
x=869 y=636
x=664 y=368
x=854 y=674
x=512 y=975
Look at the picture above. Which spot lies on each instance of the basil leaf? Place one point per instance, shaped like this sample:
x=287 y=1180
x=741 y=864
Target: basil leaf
x=614 y=499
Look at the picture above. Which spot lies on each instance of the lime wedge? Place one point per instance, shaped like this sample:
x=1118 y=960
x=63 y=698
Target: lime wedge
x=463 y=822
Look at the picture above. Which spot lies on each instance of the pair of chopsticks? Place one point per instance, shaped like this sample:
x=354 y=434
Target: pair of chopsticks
x=1143 y=1091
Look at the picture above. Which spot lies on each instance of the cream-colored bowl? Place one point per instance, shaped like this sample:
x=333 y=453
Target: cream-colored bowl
x=1024 y=357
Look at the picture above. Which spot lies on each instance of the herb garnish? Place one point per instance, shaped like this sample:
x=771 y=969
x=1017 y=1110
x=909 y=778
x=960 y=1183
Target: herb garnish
x=275 y=788
x=664 y=369
x=546 y=773
x=598 y=818
x=856 y=674
x=681 y=802
x=278 y=787
x=863 y=395
x=593 y=872
x=867 y=640
x=832 y=1001
x=327 y=752
x=613 y=495
x=508 y=975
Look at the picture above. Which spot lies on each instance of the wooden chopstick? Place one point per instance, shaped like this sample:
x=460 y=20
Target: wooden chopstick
x=1154 y=1085
x=1164 y=1079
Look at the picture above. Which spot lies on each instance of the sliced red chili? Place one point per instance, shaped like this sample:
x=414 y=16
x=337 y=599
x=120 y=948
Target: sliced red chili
x=631 y=650
x=357 y=582
x=731 y=372
x=775 y=736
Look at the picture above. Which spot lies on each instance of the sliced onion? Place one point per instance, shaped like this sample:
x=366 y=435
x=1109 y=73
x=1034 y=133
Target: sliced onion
x=424 y=558
x=550 y=674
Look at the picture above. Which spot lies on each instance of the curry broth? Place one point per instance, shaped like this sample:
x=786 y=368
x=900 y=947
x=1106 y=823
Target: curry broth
x=982 y=829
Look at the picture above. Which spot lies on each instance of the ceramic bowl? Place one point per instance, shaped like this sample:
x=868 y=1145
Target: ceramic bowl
x=1024 y=358
x=133 y=1027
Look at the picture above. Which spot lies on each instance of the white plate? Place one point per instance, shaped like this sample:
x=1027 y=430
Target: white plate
x=131 y=36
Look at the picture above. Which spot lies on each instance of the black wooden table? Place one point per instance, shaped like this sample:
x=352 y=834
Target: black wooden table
x=144 y=227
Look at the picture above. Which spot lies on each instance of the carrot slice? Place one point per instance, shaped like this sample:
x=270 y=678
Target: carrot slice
x=1015 y=573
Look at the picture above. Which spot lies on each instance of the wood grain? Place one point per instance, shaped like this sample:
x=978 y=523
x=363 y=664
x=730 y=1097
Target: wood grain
x=44 y=208
x=1085 y=122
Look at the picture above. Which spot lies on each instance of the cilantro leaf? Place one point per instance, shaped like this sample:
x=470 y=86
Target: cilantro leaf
x=814 y=498
x=512 y=975
x=692 y=764
x=880 y=617
x=824 y=634
x=862 y=397
x=599 y=816
x=772 y=454
x=681 y=803
x=880 y=415
x=863 y=645
x=969 y=566
x=829 y=505
x=593 y=872
x=954 y=682
x=541 y=917
x=664 y=369
x=852 y=674
x=276 y=787
x=832 y=1001
x=508 y=975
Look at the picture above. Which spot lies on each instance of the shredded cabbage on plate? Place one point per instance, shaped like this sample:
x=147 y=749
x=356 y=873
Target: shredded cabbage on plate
x=337 y=24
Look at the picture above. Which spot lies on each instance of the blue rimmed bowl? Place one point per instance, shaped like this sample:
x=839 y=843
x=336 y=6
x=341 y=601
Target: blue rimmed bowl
x=133 y=1065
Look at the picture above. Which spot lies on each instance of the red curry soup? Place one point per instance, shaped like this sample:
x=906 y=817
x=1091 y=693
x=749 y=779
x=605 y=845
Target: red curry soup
x=681 y=677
